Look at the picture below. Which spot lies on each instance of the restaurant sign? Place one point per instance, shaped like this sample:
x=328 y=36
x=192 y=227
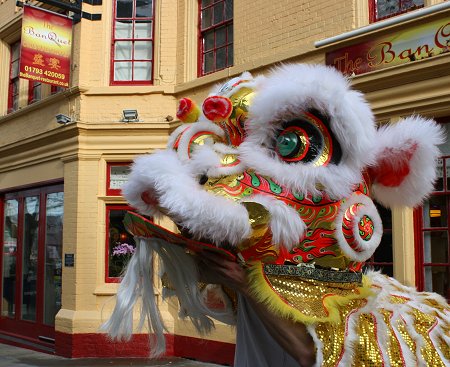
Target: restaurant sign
x=425 y=40
x=46 y=45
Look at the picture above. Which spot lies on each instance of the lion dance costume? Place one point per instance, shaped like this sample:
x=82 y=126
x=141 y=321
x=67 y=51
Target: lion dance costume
x=278 y=172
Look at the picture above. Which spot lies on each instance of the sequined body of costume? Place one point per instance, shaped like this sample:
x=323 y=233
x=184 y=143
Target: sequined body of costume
x=258 y=166
x=358 y=320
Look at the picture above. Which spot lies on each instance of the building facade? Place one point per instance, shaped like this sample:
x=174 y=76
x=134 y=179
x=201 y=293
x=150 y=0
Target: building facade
x=64 y=152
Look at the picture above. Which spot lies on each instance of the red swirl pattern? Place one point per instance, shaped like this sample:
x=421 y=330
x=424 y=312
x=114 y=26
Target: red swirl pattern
x=318 y=213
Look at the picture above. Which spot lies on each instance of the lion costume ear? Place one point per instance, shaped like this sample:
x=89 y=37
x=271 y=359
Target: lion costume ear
x=404 y=171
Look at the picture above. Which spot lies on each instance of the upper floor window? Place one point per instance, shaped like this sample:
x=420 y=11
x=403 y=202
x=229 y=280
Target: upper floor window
x=132 y=45
x=381 y=9
x=34 y=91
x=216 y=35
x=56 y=89
x=13 y=89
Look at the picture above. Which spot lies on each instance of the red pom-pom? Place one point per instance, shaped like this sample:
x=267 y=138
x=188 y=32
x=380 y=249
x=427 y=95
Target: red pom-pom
x=188 y=110
x=393 y=168
x=217 y=108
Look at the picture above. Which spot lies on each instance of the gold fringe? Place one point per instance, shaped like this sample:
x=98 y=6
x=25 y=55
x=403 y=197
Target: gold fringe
x=263 y=292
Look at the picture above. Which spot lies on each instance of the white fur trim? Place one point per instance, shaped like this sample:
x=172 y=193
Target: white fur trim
x=207 y=160
x=226 y=89
x=184 y=144
x=185 y=201
x=318 y=343
x=337 y=181
x=365 y=248
x=135 y=286
x=402 y=313
x=294 y=88
x=140 y=180
x=175 y=134
x=182 y=272
x=285 y=223
x=401 y=318
x=394 y=139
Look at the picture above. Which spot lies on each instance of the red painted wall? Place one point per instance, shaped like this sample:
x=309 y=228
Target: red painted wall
x=99 y=346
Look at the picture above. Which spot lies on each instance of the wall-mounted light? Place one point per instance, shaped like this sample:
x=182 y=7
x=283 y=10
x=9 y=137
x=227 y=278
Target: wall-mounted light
x=130 y=116
x=63 y=119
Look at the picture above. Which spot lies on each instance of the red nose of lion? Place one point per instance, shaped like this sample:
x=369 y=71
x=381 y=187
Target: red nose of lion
x=217 y=108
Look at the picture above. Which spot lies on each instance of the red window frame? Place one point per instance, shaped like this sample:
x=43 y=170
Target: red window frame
x=56 y=89
x=123 y=237
x=34 y=88
x=421 y=230
x=133 y=20
x=373 y=12
x=213 y=21
x=15 y=325
x=13 y=87
x=113 y=191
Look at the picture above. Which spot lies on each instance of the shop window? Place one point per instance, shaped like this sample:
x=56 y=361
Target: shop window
x=382 y=259
x=216 y=35
x=120 y=245
x=432 y=226
x=433 y=229
x=382 y=9
x=34 y=91
x=132 y=45
x=13 y=89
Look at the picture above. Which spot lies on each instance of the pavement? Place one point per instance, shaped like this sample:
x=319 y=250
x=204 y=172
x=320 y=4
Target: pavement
x=20 y=357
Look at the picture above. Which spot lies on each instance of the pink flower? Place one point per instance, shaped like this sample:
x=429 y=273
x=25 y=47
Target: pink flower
x=123 y=249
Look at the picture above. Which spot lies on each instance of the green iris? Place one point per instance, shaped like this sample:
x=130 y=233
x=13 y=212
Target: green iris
x=288 y=144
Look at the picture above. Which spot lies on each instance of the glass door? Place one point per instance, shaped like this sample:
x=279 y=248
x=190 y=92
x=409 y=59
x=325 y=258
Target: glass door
x=9 y=258
x=53 y=256
x=31 y=262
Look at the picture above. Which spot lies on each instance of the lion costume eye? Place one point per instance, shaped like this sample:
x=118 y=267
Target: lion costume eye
x=307 y=139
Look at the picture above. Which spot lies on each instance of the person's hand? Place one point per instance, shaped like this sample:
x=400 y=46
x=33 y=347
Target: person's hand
x=219 y=270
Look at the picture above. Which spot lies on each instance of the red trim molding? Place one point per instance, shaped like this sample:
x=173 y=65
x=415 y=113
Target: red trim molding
x=98 y=345
x=204 y=350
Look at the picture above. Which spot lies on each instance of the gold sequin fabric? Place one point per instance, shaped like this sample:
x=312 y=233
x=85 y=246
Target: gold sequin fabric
x=378 y=322
x=395 y=326
x=311 y=295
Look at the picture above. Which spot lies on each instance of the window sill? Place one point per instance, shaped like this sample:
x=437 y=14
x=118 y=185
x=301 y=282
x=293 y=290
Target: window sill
x=118 y=199
x=107 y=289
x=129 y=89
x=41 y=103
x=110 y=289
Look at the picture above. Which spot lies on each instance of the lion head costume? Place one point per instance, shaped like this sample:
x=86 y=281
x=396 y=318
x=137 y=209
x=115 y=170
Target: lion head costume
x=279 y=172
